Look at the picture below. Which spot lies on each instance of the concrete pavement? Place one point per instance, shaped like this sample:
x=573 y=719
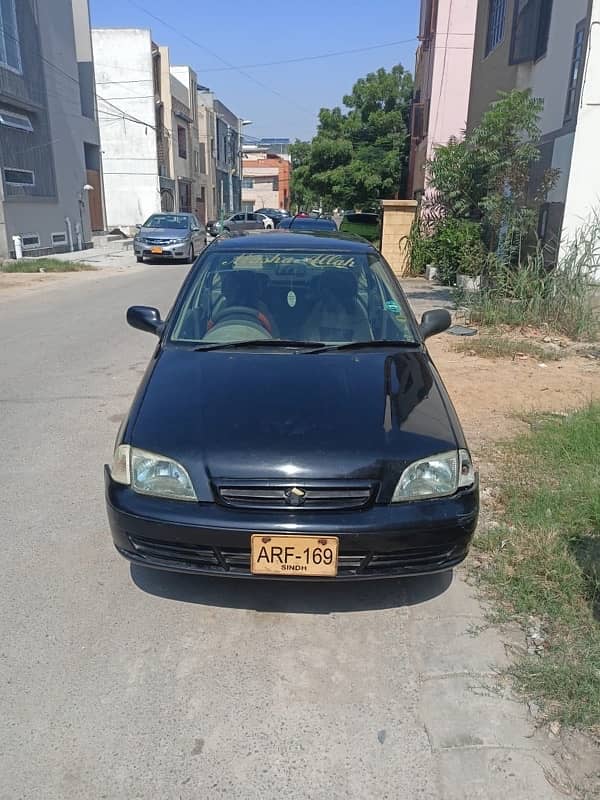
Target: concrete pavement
x=125 y=683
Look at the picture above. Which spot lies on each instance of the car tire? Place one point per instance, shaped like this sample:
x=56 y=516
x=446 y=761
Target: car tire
x=139 y=259
x=192 y=256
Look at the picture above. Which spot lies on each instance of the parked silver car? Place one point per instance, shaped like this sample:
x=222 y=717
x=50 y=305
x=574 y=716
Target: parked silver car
x=177 y=236
x=244 y=221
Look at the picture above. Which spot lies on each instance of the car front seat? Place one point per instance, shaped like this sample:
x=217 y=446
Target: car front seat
x=243 y=288
x=338 y=315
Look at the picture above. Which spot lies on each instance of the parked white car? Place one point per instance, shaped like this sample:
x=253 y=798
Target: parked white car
x=266 y=221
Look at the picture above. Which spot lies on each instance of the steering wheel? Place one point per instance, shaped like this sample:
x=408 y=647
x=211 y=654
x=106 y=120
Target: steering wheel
x=241 y=312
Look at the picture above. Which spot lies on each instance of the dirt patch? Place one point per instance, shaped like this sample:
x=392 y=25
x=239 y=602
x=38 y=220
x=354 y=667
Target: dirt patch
x=493 y=396
x=20 y=283
x=16 y=285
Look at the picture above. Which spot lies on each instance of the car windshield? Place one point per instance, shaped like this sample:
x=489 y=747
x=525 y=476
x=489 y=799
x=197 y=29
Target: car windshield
x=312 y=224
x=178 y=221
x=362 y=219
x=300 y=296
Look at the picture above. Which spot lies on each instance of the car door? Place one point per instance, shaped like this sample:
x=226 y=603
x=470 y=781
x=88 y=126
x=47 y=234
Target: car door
x=198 y=234
x=253 y=222
x=236 y=222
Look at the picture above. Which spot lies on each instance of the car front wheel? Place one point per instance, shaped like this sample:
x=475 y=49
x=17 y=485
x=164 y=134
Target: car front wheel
x=139 y=259
x=192 y=256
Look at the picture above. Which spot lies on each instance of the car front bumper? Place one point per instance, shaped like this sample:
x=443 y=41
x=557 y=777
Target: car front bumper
x=168 y=251
x=207 y=538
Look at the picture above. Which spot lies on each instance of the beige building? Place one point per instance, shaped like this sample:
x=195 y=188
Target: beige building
x=539 y=45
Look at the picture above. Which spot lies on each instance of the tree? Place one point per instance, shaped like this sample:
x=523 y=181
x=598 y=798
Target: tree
x=487 y=176
x=301 y=196
x=360 y=155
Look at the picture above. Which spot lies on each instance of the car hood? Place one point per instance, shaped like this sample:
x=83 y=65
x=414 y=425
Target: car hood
x=164 y=233
x=252 y=416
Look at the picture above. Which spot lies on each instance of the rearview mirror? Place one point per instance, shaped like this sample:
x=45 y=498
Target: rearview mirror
x=145 y=318
x=435 y=321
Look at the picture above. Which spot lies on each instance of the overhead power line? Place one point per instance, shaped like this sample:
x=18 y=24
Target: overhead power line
x=300 y=59
x=228 y=64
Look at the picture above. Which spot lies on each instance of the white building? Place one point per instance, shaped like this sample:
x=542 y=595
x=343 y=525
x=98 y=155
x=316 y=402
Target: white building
x=583 y=192
x=131 y=131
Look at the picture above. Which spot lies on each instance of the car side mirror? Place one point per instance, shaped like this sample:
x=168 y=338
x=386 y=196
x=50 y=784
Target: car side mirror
x=139 y=227
x=435 y=321
x=145 y=318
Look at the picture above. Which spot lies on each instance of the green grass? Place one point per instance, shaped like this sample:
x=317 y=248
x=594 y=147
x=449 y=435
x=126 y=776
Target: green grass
x=544 y=562
x=498 y=347
x=45 y=264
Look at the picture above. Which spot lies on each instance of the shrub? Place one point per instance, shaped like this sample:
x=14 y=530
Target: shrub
x=534 y=294
x=456 y=246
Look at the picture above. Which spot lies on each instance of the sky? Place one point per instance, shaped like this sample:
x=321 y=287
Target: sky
x=282 y=100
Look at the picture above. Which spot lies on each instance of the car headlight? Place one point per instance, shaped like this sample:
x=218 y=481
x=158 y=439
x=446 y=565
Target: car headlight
x=151 y=474
x=436 y=476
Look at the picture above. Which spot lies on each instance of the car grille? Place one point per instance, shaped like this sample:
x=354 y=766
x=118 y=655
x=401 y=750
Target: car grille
x=159 y=242
x=296 y=498
x=236 y=561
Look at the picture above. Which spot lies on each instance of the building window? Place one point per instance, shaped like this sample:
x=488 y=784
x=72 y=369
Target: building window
x=19 y=177
x=202 y=159
x=495 y=28
x=196 y=162
x=575 y=73
x=181 y=141
x=10 y=53
x=11 y=119
x=418 y=121
x=276 y=184
x=30 y=241
x=531 y=28
x=247 y=183
x=185 y=197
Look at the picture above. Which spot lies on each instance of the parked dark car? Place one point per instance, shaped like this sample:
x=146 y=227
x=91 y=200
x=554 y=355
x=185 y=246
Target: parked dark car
x=275 y=214
x=361 y=224
x=291 y=423
x=299 y=223
x=177 y=236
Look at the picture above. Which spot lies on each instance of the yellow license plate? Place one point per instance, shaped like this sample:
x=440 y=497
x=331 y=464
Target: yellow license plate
x=294 y=556
x=157 y=250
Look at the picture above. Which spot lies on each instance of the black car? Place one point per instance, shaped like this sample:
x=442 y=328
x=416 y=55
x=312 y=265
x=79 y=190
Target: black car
x=297 y=223
x=274 y=214
x=291 y=423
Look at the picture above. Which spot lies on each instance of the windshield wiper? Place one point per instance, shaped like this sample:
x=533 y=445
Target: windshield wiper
x=365 y=345
x=258 y=343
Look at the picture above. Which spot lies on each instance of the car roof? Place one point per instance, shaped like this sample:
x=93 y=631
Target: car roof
x=287 y=240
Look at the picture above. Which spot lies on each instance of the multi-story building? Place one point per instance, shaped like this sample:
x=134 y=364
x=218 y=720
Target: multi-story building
x=226 y=149
x=266 y=179
x=184 y=138
x=148 y=126
x=207 y=155
x=49 y=141
x=547 y=47
x=442 y=77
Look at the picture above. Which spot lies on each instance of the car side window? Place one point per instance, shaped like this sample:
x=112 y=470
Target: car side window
x=252 y=217
x=238 y=218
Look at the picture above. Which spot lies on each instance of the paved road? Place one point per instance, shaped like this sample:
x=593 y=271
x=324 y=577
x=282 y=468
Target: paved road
x=119 y=683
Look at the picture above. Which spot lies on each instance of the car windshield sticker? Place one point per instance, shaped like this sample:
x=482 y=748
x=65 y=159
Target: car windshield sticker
x=392 y=305
x=254 y=260
x=291 y=298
